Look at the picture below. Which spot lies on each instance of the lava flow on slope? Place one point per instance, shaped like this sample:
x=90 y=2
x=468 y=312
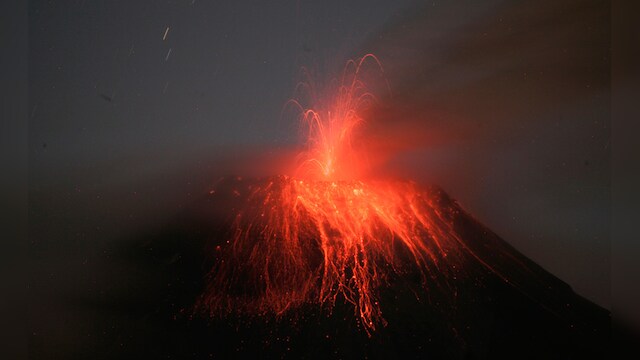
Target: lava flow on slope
x=327 y=232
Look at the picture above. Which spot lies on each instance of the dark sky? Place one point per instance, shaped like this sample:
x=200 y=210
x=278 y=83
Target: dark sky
x=127 y=127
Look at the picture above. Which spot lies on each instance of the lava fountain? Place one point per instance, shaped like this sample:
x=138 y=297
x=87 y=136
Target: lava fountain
x=326 y=232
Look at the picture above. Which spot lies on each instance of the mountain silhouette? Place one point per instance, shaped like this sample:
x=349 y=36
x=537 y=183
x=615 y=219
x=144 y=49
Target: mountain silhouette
x=499 y=305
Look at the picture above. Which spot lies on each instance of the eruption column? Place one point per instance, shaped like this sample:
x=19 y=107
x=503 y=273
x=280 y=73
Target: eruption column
x=326 y=234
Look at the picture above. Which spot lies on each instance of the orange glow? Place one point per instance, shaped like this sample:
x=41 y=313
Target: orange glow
x=333 y=149
x=326 y=234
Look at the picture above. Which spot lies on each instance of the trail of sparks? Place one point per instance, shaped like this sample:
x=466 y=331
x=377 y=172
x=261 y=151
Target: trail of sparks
x=316 y=241
x=332 y=129
x=324 y=234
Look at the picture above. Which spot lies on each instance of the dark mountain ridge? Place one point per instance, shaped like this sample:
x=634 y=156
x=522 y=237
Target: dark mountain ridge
x=502 y=305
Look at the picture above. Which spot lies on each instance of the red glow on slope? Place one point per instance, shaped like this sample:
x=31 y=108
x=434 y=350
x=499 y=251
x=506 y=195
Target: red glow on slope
x=327 y=233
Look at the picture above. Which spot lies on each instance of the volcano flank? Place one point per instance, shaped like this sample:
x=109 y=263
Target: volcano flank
x=470 y=296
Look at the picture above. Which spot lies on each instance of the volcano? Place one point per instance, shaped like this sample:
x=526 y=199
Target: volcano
x=483 y=300
x=329 y=261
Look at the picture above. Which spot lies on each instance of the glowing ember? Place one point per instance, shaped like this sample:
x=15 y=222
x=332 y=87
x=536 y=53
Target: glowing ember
x=322 y=235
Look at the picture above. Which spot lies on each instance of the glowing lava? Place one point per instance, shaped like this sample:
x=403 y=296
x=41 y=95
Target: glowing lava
x=323 y=235
x=334 y=151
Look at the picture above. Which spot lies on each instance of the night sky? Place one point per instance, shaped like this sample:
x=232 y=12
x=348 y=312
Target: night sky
x=137 y=107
